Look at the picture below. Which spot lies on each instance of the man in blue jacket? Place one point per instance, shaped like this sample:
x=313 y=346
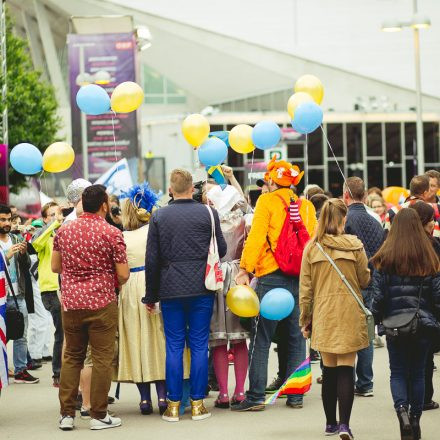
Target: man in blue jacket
x=370 y=232
x=175 y=266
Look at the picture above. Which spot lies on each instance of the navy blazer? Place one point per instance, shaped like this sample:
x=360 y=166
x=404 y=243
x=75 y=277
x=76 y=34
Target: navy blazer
x=177 y=250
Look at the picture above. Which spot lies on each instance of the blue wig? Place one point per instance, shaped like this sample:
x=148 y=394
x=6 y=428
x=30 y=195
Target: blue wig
x=142 y=196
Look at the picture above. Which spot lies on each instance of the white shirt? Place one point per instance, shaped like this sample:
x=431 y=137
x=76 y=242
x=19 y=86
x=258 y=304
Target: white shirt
x=11 y=267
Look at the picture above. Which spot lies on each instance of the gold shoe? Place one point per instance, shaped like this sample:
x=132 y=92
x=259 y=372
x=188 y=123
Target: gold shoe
x=171 y=414
x=198 y=410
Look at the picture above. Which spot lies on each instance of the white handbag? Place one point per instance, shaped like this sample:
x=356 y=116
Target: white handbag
x=214 y=274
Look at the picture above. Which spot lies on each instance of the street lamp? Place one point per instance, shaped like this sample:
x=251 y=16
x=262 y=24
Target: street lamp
x=418 y=21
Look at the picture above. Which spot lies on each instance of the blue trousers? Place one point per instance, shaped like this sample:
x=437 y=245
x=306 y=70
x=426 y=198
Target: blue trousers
x=262 y=334
x=181 y=317
x=364 y=365
x=407 y=365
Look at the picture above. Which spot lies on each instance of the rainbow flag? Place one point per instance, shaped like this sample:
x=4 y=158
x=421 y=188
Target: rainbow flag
x=299 y=382
x=3 y=352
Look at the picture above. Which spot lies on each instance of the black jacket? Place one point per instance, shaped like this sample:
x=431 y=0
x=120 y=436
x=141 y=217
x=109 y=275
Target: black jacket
x=403 y=295
x=177 y=250
x=365 y=227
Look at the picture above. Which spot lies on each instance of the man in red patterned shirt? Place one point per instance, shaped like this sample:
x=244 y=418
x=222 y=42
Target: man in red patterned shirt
x=90 y=255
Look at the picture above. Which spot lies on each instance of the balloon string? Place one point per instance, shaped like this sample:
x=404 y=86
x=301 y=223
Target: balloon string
x=306 y=172
x=114 y=135
x=337 y=163
x=257 y=319
x=252 y=166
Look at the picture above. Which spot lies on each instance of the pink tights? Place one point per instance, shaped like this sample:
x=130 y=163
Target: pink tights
x=221 y=366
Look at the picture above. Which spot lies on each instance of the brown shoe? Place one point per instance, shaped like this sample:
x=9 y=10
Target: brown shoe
x=171 y=414
x=198 y=410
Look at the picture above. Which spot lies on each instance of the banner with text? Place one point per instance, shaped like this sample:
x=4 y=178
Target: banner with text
x=107 y=60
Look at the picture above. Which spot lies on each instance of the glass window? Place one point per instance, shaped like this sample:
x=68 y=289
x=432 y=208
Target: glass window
x=295 y=151
x=234 y=159
x=392 y=136
x=316 y=177
x=335 y=179
x=411 y=170
x=253 y=104
x=160 y=90
x=375 y=173
x=354 y=143
x=394 y=177
x=410 y=138
x=374 y=139
x=334 y=136
x=217 y=128
x=431 y=141
x=258 y=154
x=265 y=102
x=315 y=147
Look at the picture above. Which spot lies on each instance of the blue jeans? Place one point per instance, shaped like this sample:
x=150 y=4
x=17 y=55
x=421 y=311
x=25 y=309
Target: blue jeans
x=407 y=365
x=190 y=315
x=261 y=338
x=364 y=366
x=20 y=345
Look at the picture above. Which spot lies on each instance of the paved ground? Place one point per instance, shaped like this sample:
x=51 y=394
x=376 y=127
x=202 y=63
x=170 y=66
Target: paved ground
x=30 y=412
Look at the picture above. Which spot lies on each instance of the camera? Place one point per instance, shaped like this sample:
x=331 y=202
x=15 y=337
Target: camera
x=198 y=192
x=115 y=210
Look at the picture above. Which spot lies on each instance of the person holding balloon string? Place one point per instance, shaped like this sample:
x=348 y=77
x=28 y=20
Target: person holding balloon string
x=258 y=259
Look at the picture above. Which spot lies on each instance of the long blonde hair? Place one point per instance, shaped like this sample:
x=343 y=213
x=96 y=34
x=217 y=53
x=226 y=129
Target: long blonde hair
x=130 y=220
x=331 y=219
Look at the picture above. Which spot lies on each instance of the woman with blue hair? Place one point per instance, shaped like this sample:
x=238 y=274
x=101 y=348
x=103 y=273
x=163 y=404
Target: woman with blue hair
x=141 y=336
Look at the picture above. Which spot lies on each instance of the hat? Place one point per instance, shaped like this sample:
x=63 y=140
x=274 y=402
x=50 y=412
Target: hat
x=143 y=199
x=283 y=173
x=37 y=223
x=75 y=190
x=224 y=200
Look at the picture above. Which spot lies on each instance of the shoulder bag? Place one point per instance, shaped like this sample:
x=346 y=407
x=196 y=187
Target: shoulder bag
x=14 y=318
x=368 y=315
x=404 y=324
x=213 y=274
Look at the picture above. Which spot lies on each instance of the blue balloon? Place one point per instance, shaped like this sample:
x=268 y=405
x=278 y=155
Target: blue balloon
x=93 y=100
x=277 y=304
x=212 y=152
x=266 y=134
x=26 y=159
x=308 y=117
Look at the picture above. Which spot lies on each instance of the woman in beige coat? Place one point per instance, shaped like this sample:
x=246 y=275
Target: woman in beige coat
x=330 y=313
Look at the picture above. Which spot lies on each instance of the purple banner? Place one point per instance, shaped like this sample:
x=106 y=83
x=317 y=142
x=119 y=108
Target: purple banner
x=108 y=60
x=4 y=184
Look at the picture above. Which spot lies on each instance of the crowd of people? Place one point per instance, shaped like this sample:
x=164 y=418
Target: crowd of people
x=127 y=286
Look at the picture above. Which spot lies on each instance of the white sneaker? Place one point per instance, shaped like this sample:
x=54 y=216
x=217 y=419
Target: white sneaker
x=107 y=422
x=66 y=423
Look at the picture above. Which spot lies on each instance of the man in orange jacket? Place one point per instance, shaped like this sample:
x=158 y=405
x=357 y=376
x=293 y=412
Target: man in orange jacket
x=258 y=258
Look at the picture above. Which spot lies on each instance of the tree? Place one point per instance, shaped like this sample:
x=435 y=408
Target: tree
x=32 y=106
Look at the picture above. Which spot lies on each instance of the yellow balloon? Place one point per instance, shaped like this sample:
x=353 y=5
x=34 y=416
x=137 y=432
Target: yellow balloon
x=127 y=97
x=295 y=100
x=240 y=139
x=58 y=157
x=243 y=301
x=195 y=129
x=311 y=85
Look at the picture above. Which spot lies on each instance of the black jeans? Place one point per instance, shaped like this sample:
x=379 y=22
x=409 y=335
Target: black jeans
x=53 y=305
x=429 y=371
x=407 y=365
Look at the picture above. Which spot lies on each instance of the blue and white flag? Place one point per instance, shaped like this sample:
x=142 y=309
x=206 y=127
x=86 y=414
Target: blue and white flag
x=117 y=179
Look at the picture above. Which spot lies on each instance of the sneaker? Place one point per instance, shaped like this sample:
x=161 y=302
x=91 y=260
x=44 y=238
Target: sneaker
x=430 y=405
x=198 y=410
x=366 y=393
x=110 y=400
x=66 y=423
x=25 y=377
x=345 y=432
x=56 y=381
x=331 y=430
x=47 y=359
x=84 y=413
x=33 y=365
x=105 y=423
x=171 y=414
x=274 y=386
x=245 y=405
x=295 y=405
